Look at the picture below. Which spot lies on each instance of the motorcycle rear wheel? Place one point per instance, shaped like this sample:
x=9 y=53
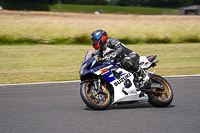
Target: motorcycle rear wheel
x=158 y=97
x=93 y=99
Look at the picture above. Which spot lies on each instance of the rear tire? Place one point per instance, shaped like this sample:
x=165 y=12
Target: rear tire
x=94 y=100
x=160 y=98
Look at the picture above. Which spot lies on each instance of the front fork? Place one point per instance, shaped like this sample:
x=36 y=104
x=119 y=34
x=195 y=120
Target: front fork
x=97 y=84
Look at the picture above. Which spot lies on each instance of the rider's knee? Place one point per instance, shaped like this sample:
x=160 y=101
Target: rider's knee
x=129 y=64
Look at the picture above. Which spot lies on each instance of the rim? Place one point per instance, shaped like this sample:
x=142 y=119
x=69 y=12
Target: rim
x=162 y=95
x=100 y=98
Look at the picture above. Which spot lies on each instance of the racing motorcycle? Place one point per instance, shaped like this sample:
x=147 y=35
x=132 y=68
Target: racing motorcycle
x=106 y=82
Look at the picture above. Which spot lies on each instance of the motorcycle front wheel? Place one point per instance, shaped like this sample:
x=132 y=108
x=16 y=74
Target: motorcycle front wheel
x=160 y=97
x=94 y=99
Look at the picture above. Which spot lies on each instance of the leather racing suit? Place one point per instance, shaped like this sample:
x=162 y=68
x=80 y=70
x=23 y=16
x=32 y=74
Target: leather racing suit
x=115 y=49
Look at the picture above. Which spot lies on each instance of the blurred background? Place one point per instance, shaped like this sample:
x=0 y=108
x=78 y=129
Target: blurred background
x=46 y=40
x=43 y=5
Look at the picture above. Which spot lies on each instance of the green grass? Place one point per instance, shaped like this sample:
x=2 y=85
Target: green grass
x=70 y=28
x=111 y=9
x=44 y=63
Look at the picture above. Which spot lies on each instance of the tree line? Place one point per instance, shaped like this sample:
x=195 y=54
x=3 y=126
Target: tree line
x=158 y=3
x=43 y=5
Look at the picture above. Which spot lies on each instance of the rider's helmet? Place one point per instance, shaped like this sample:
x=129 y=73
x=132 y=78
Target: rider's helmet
x=98 y=38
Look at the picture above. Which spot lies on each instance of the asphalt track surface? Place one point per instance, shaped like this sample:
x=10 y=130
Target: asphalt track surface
x=58 y=108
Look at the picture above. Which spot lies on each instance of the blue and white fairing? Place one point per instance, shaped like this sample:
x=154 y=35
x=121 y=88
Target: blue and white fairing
x=105 y=71
x=121 y=93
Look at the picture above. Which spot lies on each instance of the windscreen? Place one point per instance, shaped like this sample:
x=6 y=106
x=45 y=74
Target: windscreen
x=89 y=54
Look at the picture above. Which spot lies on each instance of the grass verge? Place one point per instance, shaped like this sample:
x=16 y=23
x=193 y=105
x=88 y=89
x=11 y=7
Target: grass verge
x=111 y=9
x=70 y=28
x=45 y=63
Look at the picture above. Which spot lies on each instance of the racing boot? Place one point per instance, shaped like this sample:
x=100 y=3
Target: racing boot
x=143 y=74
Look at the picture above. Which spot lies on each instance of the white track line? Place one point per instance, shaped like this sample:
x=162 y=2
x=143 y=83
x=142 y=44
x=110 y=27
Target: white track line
x=74 y=81
x=41 y=83
x=177 y=76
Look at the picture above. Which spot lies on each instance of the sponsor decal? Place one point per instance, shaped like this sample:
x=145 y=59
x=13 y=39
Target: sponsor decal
x=122 y=79
x=104 y=71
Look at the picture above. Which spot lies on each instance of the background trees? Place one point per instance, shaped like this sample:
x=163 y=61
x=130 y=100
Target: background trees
x=43 y=4
x=158 y=3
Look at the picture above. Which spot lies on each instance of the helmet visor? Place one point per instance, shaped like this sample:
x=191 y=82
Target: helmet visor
x=94 y=41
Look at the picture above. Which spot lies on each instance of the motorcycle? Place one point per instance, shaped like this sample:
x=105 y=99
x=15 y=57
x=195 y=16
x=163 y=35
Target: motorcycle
x=106 y=83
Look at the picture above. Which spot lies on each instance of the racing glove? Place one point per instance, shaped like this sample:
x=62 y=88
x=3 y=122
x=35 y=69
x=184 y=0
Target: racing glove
x=110 y=56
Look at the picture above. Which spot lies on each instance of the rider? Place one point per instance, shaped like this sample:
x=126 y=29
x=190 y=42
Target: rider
x=111 y=48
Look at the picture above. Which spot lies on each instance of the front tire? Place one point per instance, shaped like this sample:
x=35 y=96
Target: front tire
x=94 y=100
x=158 y=97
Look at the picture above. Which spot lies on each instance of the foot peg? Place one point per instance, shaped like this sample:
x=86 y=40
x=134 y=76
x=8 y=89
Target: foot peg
x=144 y=75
